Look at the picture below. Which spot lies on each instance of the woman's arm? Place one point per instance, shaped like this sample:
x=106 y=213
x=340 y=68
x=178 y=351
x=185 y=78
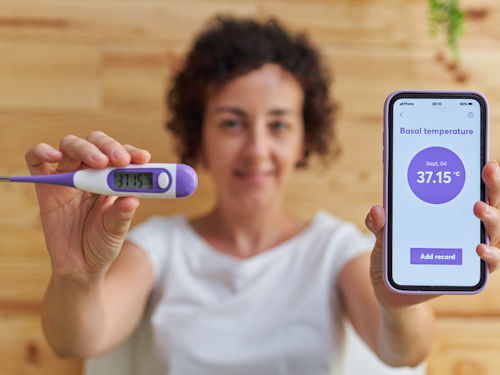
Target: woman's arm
x=99 y=285
x=398 y=335
x=83 y=320
x=399 y=327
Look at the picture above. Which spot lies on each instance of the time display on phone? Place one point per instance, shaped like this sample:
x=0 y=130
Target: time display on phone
x=133 y=180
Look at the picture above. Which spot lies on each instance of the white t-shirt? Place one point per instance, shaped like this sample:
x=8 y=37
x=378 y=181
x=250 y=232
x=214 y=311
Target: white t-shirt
x=275 y=313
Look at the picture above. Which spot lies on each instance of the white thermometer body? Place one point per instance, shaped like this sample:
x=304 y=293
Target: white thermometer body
x=153 y=180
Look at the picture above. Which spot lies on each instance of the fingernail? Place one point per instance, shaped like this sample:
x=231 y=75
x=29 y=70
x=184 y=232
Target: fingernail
x=486 y=250
x=118 y=154
x=53 y=152
x=97 y=156
x=497 y=172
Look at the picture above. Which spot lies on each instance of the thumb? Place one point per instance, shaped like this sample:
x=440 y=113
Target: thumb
x=117 y=218
x=375 y=222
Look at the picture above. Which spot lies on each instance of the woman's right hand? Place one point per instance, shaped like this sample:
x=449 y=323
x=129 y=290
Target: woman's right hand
x=84 y=232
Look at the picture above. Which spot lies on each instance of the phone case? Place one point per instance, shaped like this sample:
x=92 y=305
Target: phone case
x=386 y=176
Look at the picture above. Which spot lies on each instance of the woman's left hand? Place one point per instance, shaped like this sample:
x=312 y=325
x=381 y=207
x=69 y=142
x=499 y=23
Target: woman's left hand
x=488 y=213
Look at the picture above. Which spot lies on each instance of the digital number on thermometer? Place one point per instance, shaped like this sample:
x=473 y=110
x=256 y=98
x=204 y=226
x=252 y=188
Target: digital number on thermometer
x=133 y=180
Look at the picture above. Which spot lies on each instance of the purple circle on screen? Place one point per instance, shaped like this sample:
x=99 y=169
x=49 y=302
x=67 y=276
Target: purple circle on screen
x=436 y=175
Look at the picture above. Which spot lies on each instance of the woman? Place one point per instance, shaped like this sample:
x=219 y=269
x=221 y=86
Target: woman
x=246 y=288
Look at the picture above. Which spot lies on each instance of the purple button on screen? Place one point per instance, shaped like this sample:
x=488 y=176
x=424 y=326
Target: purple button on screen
x=435 y=256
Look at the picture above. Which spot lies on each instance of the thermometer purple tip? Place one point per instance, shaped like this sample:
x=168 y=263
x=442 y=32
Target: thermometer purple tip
x=64 y=179
x=186 y=180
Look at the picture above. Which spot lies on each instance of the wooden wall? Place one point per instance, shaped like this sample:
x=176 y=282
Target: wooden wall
x=75 y=66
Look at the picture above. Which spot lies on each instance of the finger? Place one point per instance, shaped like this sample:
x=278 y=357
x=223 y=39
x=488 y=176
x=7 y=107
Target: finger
x=77 y=151
x=490 y=254
x=117 y=154
x=490 y=216
x=38 y=157
x=491 y=178
x=375 y=222
x=117 y=219
x=138 y=156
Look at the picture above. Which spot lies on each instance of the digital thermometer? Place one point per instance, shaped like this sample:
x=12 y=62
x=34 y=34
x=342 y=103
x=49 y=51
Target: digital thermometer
x=153 y=180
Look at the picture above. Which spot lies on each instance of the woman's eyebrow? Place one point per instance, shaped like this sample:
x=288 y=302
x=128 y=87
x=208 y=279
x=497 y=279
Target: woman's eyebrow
x=233 y=110
x=240 y=112
x=280 y=112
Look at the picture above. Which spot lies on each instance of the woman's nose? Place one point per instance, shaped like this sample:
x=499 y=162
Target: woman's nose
x=257 y=144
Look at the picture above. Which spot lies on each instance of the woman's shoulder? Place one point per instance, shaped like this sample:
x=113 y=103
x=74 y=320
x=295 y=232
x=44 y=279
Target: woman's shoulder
x=327 y=223
x=339 y=234
x=161 y=222
x=155 y=237
x=155 y=230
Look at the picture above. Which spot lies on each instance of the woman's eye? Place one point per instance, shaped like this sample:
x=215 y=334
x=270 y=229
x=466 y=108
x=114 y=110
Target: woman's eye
x=279 y=125
x=230 y=124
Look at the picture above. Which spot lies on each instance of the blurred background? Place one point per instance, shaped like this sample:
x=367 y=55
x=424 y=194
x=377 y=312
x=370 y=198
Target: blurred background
x=70 y=67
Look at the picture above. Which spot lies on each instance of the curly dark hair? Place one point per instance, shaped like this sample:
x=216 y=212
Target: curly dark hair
x=231 y=47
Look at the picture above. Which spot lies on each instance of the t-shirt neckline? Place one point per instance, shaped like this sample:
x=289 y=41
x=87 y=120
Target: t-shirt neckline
x=260 y=257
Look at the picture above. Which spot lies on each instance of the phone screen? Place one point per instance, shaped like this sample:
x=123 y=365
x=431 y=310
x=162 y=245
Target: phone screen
x=436 y=155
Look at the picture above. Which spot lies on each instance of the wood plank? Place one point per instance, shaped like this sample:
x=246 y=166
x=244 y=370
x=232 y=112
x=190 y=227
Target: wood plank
x=465 y=347
x=23 y=349
x=24 y=267
x=23 y=129
x=364 y=78
x=386 y=23
x=484 y=304
x=146 y=70
x=40 y=75
x=345 y=22
x=18 y=204
x=127 y=22
x=355 y=24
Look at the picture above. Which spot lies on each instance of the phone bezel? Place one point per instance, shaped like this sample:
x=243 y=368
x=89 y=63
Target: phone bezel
x=438 y=289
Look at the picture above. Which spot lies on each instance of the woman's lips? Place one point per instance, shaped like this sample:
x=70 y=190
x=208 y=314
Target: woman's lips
x=254 y=178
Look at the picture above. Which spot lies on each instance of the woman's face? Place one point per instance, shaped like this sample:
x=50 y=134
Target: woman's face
x=253 y=136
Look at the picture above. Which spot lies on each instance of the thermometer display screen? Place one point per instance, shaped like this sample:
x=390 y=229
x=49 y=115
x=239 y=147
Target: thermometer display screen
x=133 y=180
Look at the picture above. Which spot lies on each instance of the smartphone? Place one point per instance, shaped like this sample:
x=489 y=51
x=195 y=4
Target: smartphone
x=435 y=148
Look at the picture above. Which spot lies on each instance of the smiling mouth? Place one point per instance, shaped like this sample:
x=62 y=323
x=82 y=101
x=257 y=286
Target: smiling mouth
x=254 y=177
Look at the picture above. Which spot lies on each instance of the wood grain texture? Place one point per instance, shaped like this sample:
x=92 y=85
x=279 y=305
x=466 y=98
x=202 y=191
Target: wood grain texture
x=125 y=22
x=23 y=350
x=70 y=67
x=38 y=75
x=466 y=347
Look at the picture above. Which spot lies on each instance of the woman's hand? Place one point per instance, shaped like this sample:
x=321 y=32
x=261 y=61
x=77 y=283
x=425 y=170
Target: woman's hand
x=375 y=221
x=84 y=232
x=489 y=214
